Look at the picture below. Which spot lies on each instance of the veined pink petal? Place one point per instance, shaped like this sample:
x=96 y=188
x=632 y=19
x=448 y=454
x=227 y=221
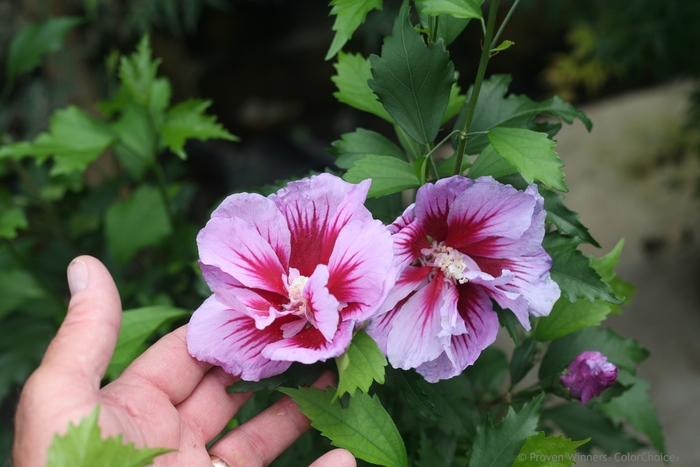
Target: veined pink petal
x=488 y=209
x=412 y=279
x=261 y=213
x=403 y=220
x=506 y=247
x=216 y=278
x=360 y=263
x=481 y=330
x=229 y=338
x=434 y=203
x=237 y=249
x=258 y=304
x=408 y=244
x=263 y=315
x=310 y=346
x=316 y=209
x=321 y=305
x=531 y=280
x=500 y=290
x=417 y=333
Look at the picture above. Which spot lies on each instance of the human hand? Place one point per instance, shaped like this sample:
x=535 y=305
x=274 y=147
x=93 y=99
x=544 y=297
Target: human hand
x=165 y=398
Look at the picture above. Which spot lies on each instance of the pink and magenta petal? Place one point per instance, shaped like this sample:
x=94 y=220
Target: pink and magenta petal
x=310 y=346
x=316 y=209
x=360 y=266
x=434 y=203
x=237 y=249
x=486 y=210
x=261 y=213
x=412 y=279
x=321 y=306
x=229 y=338
x=409 y=243
x=415 y=336
x=481 y=324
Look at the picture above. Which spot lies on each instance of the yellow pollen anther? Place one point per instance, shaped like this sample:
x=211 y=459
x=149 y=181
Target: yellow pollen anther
x=450 y=261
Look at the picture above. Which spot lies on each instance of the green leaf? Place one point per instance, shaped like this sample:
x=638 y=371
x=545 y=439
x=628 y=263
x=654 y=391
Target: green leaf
x=580 y=421
x=509 y=321
x=137 y=222
x=138 y=77
x=412 y=80
x=353 y=72
x=489 y=162
x=455 y=102
x=572 y=271
x=605 y=267
x=413 y=391
x=499 y=445
x=419 y=168
x=75 y=139
x=364 y=428
x=16 y=287
x=449 y=28
x=388 y=174
x=23 y=341
x=503 y=46
x=187 y=120
x=635 y=406
x=413 y=149
x=523 y=360
x=11 y=220
x=552 y=451
x=297 y=375
x=360 y=365
x=465 y=9
x=35 y=41
x=353 y=146
x=625 y=353
x=428 y=453
x=561 y=216
x=488 y=372
x=83 y=446
x=137 y=147
x=454 y=403
x=567 y=317
x=349 y=15
x=137 y=326
x=531 y=153
x=495 y=109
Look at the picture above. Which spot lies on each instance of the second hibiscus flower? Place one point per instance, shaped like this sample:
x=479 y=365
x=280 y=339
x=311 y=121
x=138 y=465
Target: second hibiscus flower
x=463 y=243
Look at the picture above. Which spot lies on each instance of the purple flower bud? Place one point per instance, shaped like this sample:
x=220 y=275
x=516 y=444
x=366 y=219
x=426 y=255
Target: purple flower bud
x=589 y=375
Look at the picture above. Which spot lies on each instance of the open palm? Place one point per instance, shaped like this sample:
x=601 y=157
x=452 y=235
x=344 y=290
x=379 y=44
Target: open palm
x=164 y=399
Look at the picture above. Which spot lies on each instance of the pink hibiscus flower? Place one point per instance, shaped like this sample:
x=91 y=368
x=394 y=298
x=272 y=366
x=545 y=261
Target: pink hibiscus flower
x=462 y=244
x=291 y=275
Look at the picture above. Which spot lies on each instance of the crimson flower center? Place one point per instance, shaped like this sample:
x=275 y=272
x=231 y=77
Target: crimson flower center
x=453 y=263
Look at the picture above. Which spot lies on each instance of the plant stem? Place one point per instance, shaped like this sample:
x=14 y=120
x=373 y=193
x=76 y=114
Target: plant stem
x=505 y=21
x=485 y=55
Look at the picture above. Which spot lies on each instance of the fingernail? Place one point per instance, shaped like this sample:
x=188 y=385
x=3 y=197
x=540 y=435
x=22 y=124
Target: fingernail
x=77 y=276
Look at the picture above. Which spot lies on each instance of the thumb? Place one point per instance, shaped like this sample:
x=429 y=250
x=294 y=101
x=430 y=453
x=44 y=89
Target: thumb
x=86 y=340
x=335 y=458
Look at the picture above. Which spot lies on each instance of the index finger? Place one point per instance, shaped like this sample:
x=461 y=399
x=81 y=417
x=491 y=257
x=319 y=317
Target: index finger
x=168 y=366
